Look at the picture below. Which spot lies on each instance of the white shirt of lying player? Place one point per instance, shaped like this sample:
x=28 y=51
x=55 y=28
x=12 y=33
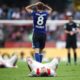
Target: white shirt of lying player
x=39 y=68
x=9 y=62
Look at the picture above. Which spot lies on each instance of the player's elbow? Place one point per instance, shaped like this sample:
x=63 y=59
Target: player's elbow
x=50 y=11
x=65 y=31
x=26 y=8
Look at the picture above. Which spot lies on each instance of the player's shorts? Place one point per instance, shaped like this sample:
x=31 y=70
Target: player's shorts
x=71 y=43
x=39 y=40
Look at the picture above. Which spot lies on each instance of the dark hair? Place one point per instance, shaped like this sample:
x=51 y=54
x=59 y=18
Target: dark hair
x=34 y=8
x=41 y=7
x=44 y=74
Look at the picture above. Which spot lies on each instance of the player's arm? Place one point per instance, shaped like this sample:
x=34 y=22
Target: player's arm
x=29 y=8
x=78 y=28
x=67 y=32
x=49 y=9
x=70 y=32
x=65 y=29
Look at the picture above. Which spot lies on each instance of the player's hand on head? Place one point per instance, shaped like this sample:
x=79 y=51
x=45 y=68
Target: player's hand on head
x=39 y=3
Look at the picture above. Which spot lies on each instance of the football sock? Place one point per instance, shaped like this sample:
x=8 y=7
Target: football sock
x=41 y=57
x=75 y=57
x=69 y=58
x=37 y=57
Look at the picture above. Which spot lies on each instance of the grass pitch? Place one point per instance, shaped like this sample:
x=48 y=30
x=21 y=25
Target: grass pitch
x=65 y=72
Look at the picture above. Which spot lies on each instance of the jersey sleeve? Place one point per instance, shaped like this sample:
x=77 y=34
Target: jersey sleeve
x=76 y=25
x=65 y=26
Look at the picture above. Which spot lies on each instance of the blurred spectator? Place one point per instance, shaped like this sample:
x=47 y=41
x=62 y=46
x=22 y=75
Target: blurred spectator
x=16 y=14
x=5 y=10
x=22 y=55
x=1 y=11
x=77 y=15
x=1 y=36
x=9 y=14
x=25 y=36
x=13 y=12
x=54 y=15
x=30 y=37
x=24 y=15
x=17 y=36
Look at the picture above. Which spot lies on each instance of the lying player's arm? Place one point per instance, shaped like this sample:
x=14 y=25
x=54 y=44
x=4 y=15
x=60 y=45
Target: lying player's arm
x=49 y=9
x=29 y=8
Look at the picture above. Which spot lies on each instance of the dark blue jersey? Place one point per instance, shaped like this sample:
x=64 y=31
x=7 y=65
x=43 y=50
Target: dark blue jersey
x=39 y=21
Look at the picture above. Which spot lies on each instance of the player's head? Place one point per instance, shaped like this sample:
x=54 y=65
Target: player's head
x=35 y=8
x=44 y=71
x=40 y=7
x=70 y=16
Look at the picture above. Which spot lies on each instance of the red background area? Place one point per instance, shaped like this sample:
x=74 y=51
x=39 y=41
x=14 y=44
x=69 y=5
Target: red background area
x=26 y=44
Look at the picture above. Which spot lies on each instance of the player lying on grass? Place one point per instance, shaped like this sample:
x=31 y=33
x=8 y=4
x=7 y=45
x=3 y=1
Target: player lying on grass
x=46 y=69
x=9 y=62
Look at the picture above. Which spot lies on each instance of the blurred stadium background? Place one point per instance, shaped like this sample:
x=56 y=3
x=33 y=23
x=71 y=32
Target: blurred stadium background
x=16 y=26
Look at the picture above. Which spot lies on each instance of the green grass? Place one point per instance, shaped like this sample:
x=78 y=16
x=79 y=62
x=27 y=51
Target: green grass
x=65 y=72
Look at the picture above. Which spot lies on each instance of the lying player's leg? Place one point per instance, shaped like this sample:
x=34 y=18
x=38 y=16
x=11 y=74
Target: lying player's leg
x=1 y=59
x=1 y=62
x=13 y=60
x=8 y=63
x=53 y=64
x=33 y=64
